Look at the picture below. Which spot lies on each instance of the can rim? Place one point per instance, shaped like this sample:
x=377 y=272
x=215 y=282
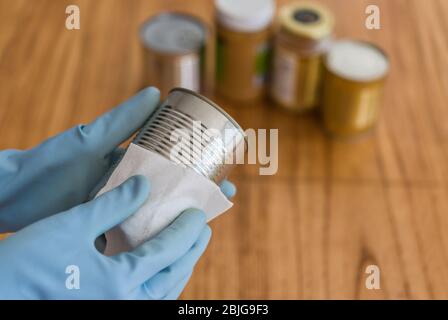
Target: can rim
x=190 y=17
x=213 y=104
x=374 y=46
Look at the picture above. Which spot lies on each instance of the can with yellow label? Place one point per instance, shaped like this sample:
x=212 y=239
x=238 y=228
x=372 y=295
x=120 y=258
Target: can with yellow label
x=354 y=77
x=243 y=47
x=304 y=36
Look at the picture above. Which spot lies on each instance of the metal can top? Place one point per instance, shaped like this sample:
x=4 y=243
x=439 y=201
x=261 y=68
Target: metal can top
x=307 y=19
x=194 y=132
x=357 y=61
x=173 y=33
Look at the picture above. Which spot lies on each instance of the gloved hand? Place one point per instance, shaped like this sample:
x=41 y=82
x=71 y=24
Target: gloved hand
x=62 y=171
x=34 y=261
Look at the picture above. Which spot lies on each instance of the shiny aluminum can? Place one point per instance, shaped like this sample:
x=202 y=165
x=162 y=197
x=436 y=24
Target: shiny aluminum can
x=174 y=46
x=354 y=77
x=214 y=141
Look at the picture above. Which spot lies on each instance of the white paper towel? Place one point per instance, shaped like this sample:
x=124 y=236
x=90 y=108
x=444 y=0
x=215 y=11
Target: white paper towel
x=173 y=189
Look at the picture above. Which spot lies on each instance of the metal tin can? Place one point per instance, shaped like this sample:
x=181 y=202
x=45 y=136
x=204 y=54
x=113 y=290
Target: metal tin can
x=303 y=38
x=243 y=47
x=174 y=46
x=355 y=73
x=214 y=139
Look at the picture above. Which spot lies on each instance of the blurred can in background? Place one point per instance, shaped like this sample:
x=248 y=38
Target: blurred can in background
x=243 y=47
x=303 y=38
x=355 y=73
x=174 y=52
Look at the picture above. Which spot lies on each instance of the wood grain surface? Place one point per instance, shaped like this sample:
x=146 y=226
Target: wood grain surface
x=333 y=208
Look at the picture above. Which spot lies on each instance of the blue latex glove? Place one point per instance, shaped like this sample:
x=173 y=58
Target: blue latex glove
x=62 y=172
x=34 y=261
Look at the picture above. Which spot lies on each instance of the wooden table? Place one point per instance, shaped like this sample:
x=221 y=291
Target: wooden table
x=333 y=208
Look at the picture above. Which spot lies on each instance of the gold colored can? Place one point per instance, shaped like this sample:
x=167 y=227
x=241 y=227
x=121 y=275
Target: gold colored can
x=174 y=47
x=243 y=47
x=355 y=72
x=303 y=38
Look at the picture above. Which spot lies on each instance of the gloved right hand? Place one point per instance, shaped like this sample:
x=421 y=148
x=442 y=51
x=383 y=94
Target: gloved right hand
x=34 y=261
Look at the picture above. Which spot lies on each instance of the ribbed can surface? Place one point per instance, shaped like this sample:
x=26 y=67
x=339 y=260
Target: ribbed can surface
x=192 y=131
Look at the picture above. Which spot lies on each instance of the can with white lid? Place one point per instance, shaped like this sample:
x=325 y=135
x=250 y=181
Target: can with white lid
x=355 y=72
x=243 y=47
x=174 y=52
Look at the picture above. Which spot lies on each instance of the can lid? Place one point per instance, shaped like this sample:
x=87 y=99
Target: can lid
x=307 y=19
x=214 y=105
x=357 y=60
x=173 y=33
x=245 y=15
